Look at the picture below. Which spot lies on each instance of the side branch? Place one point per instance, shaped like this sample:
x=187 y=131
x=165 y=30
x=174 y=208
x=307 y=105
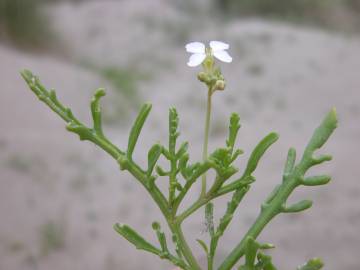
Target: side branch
x=275 y=204
x=94 y=135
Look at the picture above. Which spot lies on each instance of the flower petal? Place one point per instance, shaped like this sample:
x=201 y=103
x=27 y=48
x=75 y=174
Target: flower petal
x=196 y=59
x=223 y=56
x=195 y=47
x=218 y=46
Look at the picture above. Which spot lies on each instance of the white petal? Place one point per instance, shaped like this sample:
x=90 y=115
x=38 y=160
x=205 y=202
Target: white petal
x=223 y=56
x=196 y=59
x=195 y=47
x=218 y=46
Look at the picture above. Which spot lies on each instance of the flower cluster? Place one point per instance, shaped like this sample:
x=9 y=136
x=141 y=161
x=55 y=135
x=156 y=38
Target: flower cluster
x=200 y=52
x=211 y=75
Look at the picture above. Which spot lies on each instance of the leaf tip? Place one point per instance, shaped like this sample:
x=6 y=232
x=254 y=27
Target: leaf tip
x=332 y=118
x=27 y=75
x=275 y=136
x=100 y=92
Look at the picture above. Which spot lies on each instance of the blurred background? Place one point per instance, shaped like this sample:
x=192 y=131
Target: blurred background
x=293 y=61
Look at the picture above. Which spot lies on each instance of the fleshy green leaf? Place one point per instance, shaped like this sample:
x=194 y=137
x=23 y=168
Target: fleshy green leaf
x=297 y=207
x=250 y=252
x=233 y=130
x=313 y=264
x=290 y=162
x=160 y=171
x=96 y=110
x=265 y=262
x=203 y=245
x=177 y=246
x=136 y=129
x=209 y=217
x=259 y=151
x=273 y=194
x=173 y=129
x=153 y=156
x=230 y=210
x=133 y=237
x=161 y=237
x=323 y=132
x=182 y=150
x=316 y=180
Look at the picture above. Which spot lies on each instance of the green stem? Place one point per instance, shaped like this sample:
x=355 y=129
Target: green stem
x=206 y=141
x=268 y=212
x=210 y=196
x=175 y=228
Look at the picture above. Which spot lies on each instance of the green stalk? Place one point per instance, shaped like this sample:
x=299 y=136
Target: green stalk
x=175 y=228
x=206 y=141
x=266 y=215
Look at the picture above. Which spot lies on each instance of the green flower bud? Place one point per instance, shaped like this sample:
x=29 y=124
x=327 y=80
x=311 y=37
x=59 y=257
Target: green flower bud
x=202 y=77
x=219 y=85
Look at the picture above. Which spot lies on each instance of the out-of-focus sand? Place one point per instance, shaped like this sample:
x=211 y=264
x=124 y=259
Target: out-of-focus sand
x=283 y=78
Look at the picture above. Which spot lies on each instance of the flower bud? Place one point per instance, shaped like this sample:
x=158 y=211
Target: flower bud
x=220 y=85
x=202 y=77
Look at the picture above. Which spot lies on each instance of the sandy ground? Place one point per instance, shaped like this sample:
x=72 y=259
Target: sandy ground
x=283 y=78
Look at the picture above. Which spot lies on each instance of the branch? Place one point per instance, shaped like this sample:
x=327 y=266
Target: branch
x=217 y=189
x=140 y=243
x=94 y=134
x=293 y=177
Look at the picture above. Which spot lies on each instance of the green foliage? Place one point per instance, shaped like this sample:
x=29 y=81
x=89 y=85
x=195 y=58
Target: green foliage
x=294 y=8
x=133 y=237
x=136 y=129
x=292 y=178
x=182 y=176
x=253 y=252
x=313 y=264
x=315 y=12
x=24 y=23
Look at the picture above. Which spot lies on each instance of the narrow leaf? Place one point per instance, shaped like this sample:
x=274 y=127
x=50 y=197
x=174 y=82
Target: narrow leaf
x=265 y=262
x=83 y=132
x=313 y=264
x=173 y=129
x=259 y=151
x=233 y=130
x=161 y=237
x=136 y=129
x=183 y=166
x=266 y=246
x=203 y=245
x=231 y=207
x=321 y=159
x=177 y=246
x=182 y=150
x=273 y=194
x=316 y=180
x=209 y=218
x=134 y=238
x=297 y=207
x=323 y=132
x=153 y=156
x=250 y=252
x=290 y=161
x=160 y=171
x=96 y=110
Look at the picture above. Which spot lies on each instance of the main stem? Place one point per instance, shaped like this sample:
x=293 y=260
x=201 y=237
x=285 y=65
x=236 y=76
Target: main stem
x=206 y=140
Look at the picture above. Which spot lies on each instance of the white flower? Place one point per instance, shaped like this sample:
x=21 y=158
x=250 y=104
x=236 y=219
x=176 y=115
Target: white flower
x=199 y=52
